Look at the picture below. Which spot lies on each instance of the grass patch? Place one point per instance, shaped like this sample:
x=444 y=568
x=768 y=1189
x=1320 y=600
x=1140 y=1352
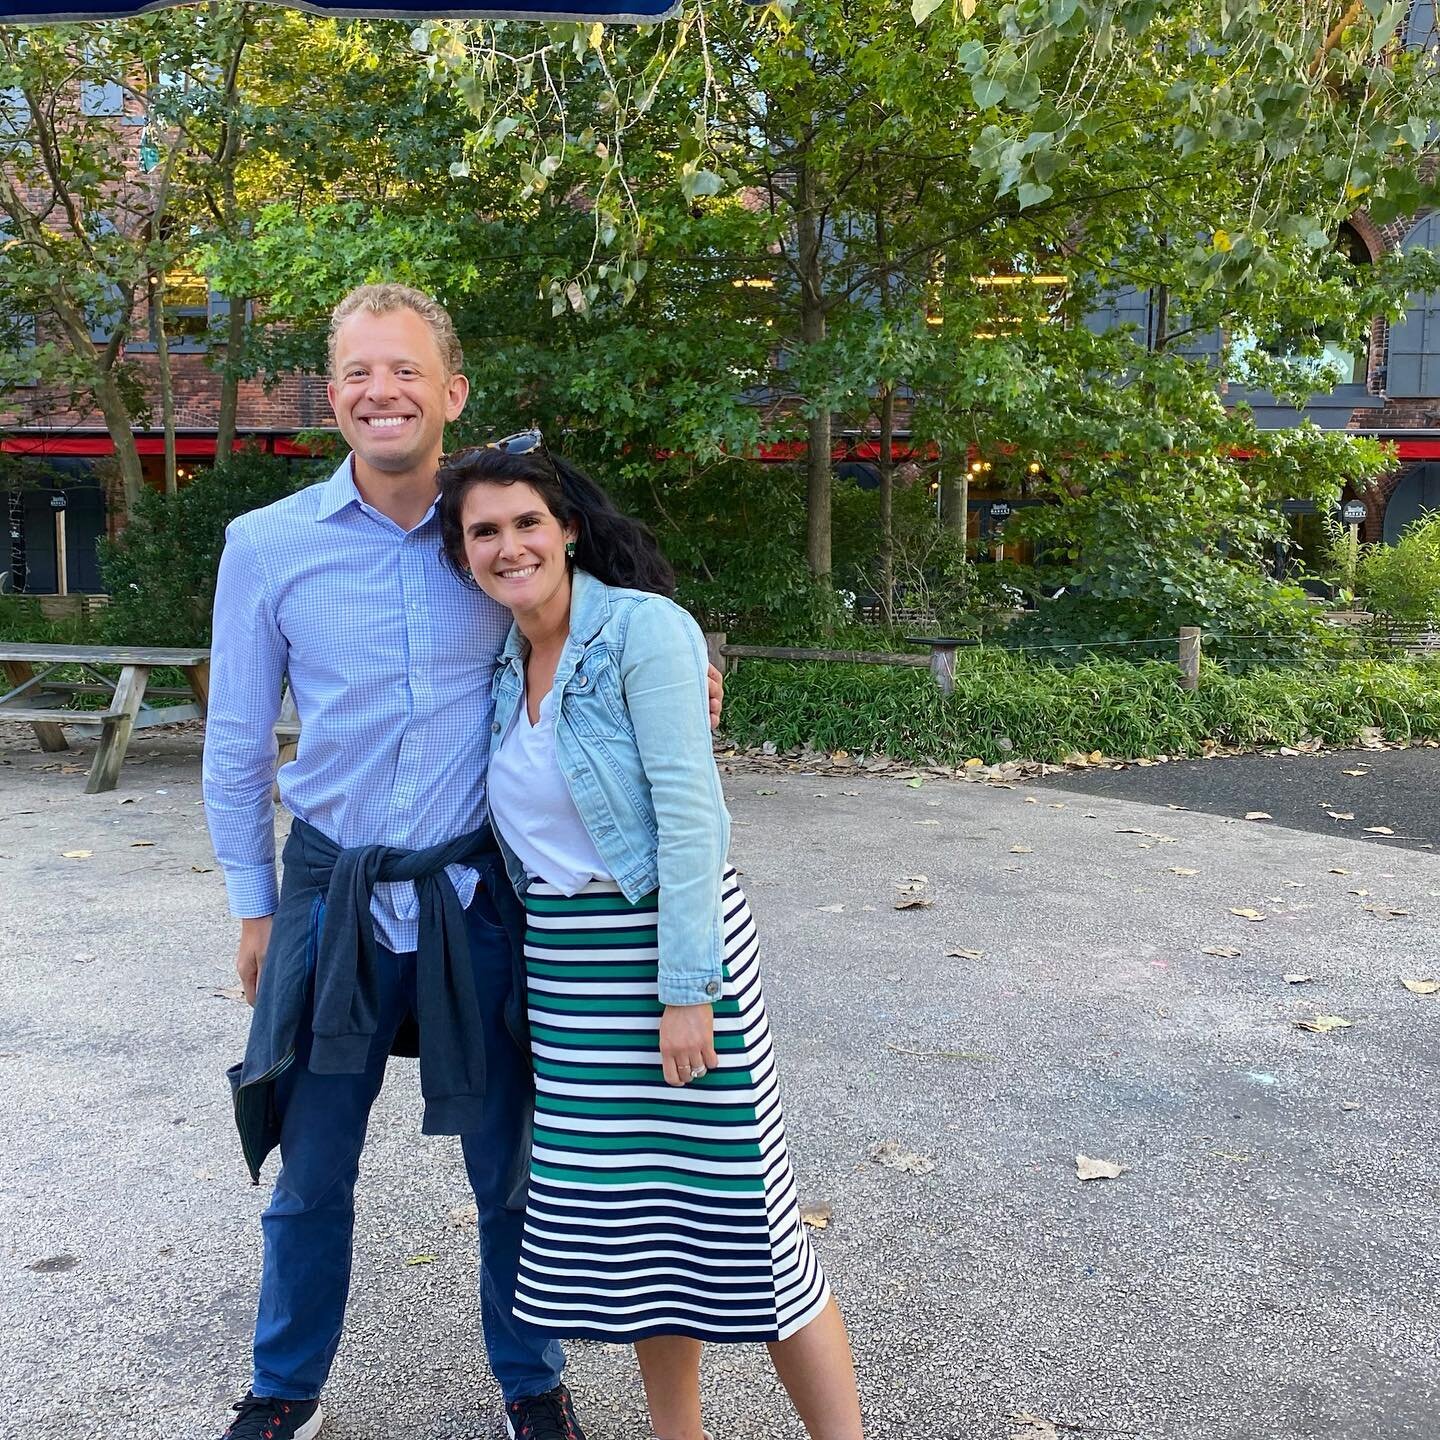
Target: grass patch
x=1046 y=712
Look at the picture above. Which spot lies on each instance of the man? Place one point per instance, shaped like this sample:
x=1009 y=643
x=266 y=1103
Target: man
x=389 y=657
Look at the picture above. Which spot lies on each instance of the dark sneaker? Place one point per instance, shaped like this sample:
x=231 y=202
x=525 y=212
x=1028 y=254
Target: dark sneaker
x=550 y=1416
x=262 y=1417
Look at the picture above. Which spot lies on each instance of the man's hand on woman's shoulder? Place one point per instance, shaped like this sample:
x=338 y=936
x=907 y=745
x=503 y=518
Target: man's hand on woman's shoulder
x=715 y=685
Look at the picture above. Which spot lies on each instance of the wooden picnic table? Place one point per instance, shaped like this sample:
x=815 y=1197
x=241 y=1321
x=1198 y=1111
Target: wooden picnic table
x=38 y=697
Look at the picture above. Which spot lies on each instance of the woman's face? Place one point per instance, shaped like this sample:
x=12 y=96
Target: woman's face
x=514 y=546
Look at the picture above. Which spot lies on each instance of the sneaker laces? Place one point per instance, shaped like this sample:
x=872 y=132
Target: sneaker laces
x=262 y=1411
x=550 y=1407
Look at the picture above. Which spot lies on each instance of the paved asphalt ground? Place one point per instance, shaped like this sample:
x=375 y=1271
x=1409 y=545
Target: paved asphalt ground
x=1264 y=1269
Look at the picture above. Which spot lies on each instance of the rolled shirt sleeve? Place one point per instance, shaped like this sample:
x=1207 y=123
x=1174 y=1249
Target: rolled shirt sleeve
x=247 y=663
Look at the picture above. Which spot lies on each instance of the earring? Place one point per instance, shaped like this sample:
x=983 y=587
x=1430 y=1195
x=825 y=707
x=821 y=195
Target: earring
x=569 y=549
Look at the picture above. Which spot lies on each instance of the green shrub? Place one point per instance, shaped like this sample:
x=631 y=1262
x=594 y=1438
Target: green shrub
x=1046 y=711
x=161 y=571
x=1402 y=581
x=22 y=620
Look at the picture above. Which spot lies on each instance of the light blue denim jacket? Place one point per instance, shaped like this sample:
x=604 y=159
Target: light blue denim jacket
x=632 y=735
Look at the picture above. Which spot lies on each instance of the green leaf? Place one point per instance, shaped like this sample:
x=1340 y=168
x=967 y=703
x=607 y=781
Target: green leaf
x=986 y=91
x=1033 y=194
x=922 y=10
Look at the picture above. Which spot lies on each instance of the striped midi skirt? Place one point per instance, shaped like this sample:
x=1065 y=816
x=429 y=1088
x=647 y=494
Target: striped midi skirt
x=653 y=1209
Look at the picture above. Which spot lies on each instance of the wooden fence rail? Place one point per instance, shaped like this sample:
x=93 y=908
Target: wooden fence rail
x=940 y=662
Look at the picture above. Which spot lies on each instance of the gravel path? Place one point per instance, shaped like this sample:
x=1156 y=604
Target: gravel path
x=1263 y=1269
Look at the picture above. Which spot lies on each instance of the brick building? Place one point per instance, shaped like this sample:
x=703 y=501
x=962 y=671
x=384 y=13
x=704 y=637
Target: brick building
x=1389 y=387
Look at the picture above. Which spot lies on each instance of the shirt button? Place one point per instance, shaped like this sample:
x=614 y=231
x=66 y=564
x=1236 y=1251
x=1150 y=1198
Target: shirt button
x=713 y=988
x=495 y=727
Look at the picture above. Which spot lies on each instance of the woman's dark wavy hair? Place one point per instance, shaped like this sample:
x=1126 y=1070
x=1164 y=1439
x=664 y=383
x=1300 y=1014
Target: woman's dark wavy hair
x=612 y=547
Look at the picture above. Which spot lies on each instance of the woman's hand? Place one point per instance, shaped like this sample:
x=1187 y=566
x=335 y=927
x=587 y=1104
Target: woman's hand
x=687 y=1042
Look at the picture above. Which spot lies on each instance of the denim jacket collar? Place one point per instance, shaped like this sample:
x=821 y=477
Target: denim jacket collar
x=589 y=610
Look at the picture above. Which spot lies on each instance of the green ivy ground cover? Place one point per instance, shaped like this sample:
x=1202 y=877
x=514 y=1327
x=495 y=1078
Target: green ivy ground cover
x=1006 y=708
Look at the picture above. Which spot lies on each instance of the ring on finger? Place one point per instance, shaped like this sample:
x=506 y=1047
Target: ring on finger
x=699 y=1072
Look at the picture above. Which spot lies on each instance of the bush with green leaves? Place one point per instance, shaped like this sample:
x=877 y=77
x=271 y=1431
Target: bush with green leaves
x=1006 y=706
x=1402 y=581
x=160 y=572
x=23 y=620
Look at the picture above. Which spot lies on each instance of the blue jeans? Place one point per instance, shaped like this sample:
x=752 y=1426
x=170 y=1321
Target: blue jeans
x=309 y=1224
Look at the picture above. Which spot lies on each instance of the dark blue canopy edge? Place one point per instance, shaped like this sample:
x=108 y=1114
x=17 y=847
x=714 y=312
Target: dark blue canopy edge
x=635 y=12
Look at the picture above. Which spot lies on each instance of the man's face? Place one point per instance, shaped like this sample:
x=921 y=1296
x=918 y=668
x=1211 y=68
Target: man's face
x=390 y=392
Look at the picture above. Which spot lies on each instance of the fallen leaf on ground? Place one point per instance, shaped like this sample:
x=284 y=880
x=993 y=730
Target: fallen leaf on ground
x=1021 y=850
x=1258 y=815
x=1037 y=1427
x=964 y=954
x=1378 y=830
x=1324 y=1024
x=1182 y=870
x=767 y=792
x=421 y=1260
x=229 y=992
x=1031 y=800
x=1226 y=952
x=142 y=844
x=203 y=869
x=1385 y=912
x=817 y=1217
x=1087 y=1168
x=1418 y=985
x=53 y=1264
x=76 y=854
x=913 y=902
x=889 y=1154
x=831 y=909
x=1251 y=915
x=1354 y=772
x=1337 y=870
x=1297 y=979
x=915 y=784
x=1341 y=814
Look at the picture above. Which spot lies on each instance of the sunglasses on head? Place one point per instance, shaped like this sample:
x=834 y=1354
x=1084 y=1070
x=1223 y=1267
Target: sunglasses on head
x=523 y=442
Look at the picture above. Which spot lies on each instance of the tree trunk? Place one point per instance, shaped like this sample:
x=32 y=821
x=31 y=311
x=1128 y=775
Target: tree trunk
x=230 y=381
x=812 y=332
x=887 y=446
x=161 y=338
x=127 y=454
x=955 y=501
x=886 y=467
x=1160 y=337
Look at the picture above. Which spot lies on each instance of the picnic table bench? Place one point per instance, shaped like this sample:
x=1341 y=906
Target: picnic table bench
x=38 y=696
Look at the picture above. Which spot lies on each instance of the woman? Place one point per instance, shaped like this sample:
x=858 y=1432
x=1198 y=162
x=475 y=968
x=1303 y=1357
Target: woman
x=662 y=1208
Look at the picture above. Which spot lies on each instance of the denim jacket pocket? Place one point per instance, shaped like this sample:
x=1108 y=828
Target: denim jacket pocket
x=592 y=701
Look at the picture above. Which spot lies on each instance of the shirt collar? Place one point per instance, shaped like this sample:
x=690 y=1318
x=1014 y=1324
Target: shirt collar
x=338 y=491
x=589 y=610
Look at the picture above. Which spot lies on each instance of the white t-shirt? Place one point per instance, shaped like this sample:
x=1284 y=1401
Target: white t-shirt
x=531 y=806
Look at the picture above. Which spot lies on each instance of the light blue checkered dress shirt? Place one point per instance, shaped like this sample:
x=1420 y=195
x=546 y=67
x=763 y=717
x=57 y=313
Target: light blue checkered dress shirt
x=390 y=659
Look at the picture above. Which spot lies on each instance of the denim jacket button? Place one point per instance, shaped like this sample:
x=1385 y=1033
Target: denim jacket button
x=581 y=681
x=713 y=988
x=495 y=727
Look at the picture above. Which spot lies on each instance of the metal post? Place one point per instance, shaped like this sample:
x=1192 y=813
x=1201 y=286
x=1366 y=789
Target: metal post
x=1189 y=657
x=942 y=667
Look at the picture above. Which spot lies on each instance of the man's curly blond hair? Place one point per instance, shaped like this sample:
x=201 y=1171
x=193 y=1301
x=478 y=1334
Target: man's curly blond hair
x=382 y=299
